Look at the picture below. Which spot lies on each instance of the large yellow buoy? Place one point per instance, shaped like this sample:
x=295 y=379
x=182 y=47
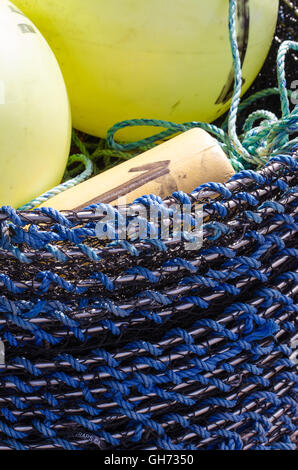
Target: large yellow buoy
x=167 y=59
x=35 y=123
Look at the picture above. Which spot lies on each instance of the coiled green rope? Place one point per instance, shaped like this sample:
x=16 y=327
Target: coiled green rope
x=251 y=149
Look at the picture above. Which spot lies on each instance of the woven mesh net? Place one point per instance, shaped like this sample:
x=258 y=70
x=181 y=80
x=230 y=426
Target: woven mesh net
x=143 y=344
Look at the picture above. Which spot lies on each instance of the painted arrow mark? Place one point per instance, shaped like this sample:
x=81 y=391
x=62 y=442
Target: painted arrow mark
x=149 y=172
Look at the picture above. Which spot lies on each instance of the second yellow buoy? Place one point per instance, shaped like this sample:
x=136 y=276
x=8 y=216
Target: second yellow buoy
x=35 y=122
x=167 y=59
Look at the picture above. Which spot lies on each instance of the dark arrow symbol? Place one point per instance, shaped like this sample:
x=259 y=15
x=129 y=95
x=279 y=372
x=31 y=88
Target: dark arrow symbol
x=149 y=172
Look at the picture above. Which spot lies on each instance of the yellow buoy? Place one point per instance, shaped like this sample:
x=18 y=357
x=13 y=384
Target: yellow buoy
x=35 y=123
x=167 y=59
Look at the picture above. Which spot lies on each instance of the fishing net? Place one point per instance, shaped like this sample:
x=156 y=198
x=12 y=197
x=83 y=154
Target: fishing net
x=142 y=342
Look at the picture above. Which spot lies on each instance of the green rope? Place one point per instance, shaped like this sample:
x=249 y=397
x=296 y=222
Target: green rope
x=251 y=149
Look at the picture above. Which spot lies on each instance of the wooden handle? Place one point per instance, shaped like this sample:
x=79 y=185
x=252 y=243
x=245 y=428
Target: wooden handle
x=182 y=163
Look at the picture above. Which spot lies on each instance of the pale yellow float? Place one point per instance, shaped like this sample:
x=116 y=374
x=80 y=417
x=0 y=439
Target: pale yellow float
x=162 y=59
x=35 y=123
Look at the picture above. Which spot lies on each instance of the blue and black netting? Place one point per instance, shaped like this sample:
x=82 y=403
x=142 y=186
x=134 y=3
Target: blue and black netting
x=144 y=344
